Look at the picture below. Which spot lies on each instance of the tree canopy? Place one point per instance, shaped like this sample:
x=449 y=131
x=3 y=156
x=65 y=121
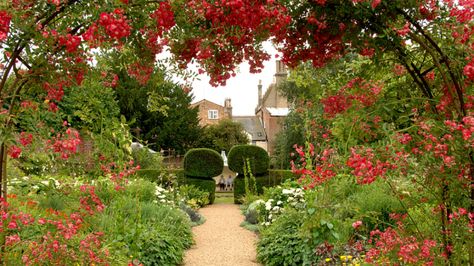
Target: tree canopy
x=223 y=136
x=159 y=112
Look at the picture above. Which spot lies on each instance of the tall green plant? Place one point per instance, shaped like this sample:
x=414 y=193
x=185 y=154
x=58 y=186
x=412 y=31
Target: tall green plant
x=249 y=179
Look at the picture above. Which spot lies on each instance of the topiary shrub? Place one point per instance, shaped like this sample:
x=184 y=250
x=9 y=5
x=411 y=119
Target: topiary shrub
x=239 y=190
x=203 y=163
x=204 y=185
x=258 y=157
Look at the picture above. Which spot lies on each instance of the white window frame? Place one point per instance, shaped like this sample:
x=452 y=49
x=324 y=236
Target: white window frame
x=213 y=114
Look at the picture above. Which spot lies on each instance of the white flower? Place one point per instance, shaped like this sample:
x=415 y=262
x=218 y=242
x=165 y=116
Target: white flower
x=279 y=202
x=162 y=200
x=268 y=206
x=155 y=201
x=26 y=178
x=259 y=201
x=291 y=198
x=276 y=208
x=286 y=191
x=161 y=196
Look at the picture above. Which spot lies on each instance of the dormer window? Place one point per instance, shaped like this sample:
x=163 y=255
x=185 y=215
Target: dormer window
x=212 y=114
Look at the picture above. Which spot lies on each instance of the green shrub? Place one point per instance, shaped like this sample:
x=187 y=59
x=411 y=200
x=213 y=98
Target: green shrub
x=154 y=234
x=274 y=178
x=194 y=196
x=204 y=185
x=239 y=190
x=149 y=174
x=146 y=159
x=283 y=244
x=259 y=160
x=178 y=174
x=56 y=202
x=374 y=204
x=162 y=177
x=203 y=163
x=251 y=213
x=171 y=235
x=141 y=189
x=194 y=216
x=155 y=248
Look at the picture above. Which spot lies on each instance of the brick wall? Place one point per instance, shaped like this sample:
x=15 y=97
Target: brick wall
x=205 y=106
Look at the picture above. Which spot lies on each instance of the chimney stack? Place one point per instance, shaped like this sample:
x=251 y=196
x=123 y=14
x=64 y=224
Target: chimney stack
x=259 y=92
x=228 y=108
x=280 y=72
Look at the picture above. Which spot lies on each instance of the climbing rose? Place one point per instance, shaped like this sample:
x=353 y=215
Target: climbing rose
x=14 y=151
x=356 y=224
x=5 y=19
x=469 y=70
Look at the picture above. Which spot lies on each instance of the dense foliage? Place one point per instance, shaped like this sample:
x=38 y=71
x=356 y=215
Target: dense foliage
x=257 y=156
x=202 y=163
x=208 y=186
x=159 y=112
x=273 y=178
x=66 y=221
x=222 y=136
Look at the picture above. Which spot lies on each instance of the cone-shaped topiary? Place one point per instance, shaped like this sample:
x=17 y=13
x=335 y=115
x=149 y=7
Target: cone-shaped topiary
x=258 y=159
x=203 y=163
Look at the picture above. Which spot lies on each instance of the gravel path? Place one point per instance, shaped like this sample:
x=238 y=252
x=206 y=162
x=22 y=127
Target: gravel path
x=220 y=241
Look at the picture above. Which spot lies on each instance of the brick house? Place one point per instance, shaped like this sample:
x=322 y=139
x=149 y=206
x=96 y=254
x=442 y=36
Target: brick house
x=272 y=107
x=262 y=128
x=211 y=113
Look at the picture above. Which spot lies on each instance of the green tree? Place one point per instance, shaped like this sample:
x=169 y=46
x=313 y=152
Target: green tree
x=291 y=134
x=223 y=136
x=159 y=112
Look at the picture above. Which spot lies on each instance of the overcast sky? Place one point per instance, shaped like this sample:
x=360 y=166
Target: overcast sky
x=242 y=88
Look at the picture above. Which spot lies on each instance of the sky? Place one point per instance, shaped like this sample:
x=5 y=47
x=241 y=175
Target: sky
x=242 y=89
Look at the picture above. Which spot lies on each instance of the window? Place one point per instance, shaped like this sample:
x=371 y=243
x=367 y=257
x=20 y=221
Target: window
x=212 y=114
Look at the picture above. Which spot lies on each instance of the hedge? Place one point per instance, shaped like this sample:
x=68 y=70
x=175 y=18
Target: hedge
x=203 y=163
x=274 y=178
x=205 y=185
x=259 y=159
